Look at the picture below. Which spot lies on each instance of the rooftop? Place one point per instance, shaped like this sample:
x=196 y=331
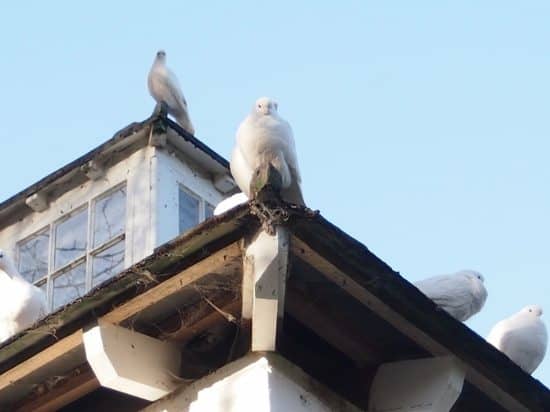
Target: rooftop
x=121 y=145
x=345 y=313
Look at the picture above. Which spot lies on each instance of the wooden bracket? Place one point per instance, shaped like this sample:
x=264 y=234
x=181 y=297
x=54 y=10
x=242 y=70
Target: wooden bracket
x=427 y=385
x=93 y=169
x=130 y=362
x=265 y=273
x=37 y=202
x=224 y=183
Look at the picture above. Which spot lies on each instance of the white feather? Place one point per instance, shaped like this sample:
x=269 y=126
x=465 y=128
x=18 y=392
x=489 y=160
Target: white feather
x=21 y=303
x=265 y=137
x=461 y=294
x=164 y=87
x=522 y=337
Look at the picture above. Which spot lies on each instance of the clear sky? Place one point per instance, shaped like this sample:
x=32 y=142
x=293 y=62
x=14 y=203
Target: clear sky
x=422 y=128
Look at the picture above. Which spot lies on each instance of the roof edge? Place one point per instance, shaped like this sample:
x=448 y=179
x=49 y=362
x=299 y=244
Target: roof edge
x=118 y=139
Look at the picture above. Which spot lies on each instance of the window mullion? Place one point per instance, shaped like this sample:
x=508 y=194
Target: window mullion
x=66 y=240
x=202 y=210
x=89 y=245
x=107 y=244
x=69 y=266
x=49 y=286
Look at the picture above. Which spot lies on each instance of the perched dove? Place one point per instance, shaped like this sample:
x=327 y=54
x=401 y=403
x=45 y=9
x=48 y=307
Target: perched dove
x=522 y=337
x=266 y=137
x=164 y=87
x=21 y=303
x=461 y=294
x=230 y=203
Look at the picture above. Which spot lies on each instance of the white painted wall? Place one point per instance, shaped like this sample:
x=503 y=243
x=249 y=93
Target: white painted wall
x=152 y=177
x=134 y=171
x=256 y=384
x=169 y=173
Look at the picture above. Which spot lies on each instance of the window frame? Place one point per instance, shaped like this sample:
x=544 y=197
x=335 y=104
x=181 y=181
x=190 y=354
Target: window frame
x=45 y=229
x=202 y=206
x=91 y=251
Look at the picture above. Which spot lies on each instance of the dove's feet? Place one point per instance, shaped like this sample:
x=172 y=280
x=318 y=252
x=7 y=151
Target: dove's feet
x=161 y=109
x=270 y=217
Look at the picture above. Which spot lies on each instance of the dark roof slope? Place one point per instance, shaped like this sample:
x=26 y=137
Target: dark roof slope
x=434 y=327
x=354 y=259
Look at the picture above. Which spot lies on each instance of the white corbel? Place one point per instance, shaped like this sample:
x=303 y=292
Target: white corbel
x=131 y=362
x=420 y=385
x=37 y=202
x=224 y=183
x=93 y=169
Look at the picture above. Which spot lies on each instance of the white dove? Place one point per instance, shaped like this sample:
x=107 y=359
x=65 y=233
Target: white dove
x=522 y=337
x=461 y=294
x=264 y=136
x=21 y=303
x=230 y=202
x=164 y=87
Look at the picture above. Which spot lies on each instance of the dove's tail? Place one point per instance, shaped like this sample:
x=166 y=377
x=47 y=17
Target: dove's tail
x=293 y=194
x=185 y=122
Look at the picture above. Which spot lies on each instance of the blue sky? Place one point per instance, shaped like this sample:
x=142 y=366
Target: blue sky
x=421 y=127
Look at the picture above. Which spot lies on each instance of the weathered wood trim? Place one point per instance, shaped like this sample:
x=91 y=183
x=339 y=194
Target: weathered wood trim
x=351 y=286
x=62 y=394
x=329 y=330
x=48 y=355
x=213 y=263
x=210 y=264
x=188 y=331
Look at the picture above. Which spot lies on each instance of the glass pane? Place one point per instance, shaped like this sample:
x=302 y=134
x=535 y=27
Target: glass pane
x=110 y=216
x=70 y=239
x=33 y=257
x=69 y=286
x=188 y=210
x=108 y=263
x=44 y=287
x=208 y=210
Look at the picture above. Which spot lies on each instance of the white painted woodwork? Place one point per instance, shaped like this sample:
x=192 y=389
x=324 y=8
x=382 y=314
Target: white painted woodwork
x=152 y=177
x=37 y=202
x=129 y=171
x=169 y=174
x=140 y=206
x=420 y=385
x=130 y=362
x=224 y=183
x=255 y=383
x=265 y=272
x=93 y=169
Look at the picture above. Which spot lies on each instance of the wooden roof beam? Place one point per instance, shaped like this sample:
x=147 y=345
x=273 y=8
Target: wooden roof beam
x=27 y=372
x=348 y=284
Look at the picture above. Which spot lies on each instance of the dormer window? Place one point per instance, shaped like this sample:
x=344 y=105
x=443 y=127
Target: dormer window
x=78 y=251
